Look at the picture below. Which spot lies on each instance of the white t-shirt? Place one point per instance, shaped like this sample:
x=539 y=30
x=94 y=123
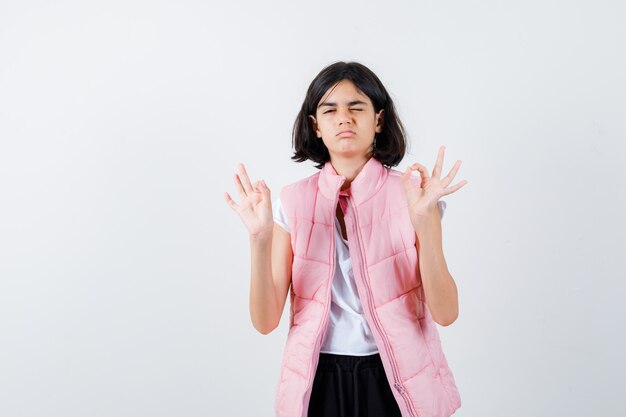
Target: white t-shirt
x=348 y=332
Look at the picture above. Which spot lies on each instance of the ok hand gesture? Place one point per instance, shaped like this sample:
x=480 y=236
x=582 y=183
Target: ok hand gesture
x=255 y=208
x=422 y=198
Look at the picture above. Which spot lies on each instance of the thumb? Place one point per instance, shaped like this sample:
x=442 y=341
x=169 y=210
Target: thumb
x=408 y=180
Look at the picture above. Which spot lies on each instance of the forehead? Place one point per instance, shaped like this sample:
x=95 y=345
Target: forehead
x=343 y=91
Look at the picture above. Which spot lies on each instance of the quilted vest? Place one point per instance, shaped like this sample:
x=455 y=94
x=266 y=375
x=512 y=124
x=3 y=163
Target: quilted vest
x=385 y=262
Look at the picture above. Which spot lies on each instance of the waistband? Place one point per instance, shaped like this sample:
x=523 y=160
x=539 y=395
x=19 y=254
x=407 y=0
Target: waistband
x=331 y=361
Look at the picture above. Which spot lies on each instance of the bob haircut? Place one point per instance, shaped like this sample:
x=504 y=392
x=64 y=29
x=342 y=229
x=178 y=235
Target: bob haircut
x=390 y=143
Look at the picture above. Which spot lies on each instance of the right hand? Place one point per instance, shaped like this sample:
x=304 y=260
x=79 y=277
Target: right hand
x=255 y=208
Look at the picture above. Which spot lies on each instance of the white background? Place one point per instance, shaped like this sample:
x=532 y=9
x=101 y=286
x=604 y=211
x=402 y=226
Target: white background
x=124 y=275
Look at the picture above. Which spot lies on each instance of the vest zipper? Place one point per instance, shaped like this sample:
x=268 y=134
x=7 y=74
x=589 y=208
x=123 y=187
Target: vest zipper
x=394 y=368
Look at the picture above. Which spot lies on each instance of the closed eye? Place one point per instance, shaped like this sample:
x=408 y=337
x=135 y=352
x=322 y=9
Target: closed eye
x=352 y=109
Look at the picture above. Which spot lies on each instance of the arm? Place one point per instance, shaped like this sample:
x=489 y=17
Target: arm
x=270 y=277
x=270 y=249
x=439 y=287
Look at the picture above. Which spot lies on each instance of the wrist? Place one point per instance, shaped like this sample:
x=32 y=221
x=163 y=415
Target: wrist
x=261 y=237
x=426 y=221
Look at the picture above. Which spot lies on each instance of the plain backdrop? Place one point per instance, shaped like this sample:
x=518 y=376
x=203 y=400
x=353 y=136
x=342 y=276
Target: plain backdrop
x=124 y=275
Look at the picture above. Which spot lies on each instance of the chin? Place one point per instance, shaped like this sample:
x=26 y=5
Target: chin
x=353 y=153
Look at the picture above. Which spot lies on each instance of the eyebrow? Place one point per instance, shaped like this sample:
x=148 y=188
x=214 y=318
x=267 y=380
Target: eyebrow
x=332 y=104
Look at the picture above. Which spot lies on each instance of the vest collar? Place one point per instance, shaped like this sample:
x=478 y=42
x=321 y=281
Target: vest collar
x=367 y=182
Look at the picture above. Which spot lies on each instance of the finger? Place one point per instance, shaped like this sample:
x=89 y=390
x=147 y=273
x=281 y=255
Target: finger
x=423 y=171
x=267 y=194
x=245 y=180
x=408 y=179
x=230 y=201
x=448 y=178
x=439 y=162
x=239 y=185
x=454 y=188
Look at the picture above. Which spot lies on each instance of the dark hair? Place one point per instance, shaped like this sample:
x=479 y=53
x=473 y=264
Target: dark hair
x=390 y=142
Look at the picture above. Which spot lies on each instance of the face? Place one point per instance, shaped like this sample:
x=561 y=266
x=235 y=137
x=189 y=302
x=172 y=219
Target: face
x=346 y=121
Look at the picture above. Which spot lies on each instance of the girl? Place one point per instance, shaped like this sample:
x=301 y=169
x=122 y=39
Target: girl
x=358 y=247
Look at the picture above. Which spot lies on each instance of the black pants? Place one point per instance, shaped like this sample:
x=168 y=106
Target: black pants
x=351 y=386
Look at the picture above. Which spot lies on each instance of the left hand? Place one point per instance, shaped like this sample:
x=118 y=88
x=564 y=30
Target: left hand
x=422 y=198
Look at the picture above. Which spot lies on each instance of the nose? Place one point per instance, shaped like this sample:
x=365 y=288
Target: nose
x=343 y=116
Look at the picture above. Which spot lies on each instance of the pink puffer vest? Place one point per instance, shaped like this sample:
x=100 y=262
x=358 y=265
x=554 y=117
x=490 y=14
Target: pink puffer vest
x=384 y=257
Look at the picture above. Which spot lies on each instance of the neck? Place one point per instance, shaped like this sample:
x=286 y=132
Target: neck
x=348 y=168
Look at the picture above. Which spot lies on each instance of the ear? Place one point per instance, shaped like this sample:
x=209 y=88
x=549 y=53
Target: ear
x=380 y=120
x=314 y=125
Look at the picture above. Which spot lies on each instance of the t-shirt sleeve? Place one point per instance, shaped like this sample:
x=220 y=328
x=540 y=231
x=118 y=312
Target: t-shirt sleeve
x=442 y=208
x=279 y=214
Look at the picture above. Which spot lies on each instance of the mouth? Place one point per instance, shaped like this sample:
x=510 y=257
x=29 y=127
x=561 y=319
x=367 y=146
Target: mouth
x=346 y=134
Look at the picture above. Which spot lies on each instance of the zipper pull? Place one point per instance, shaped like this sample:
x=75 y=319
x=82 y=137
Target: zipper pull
x=399 y=387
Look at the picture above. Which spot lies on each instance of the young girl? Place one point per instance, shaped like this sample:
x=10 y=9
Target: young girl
x=358 y=247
